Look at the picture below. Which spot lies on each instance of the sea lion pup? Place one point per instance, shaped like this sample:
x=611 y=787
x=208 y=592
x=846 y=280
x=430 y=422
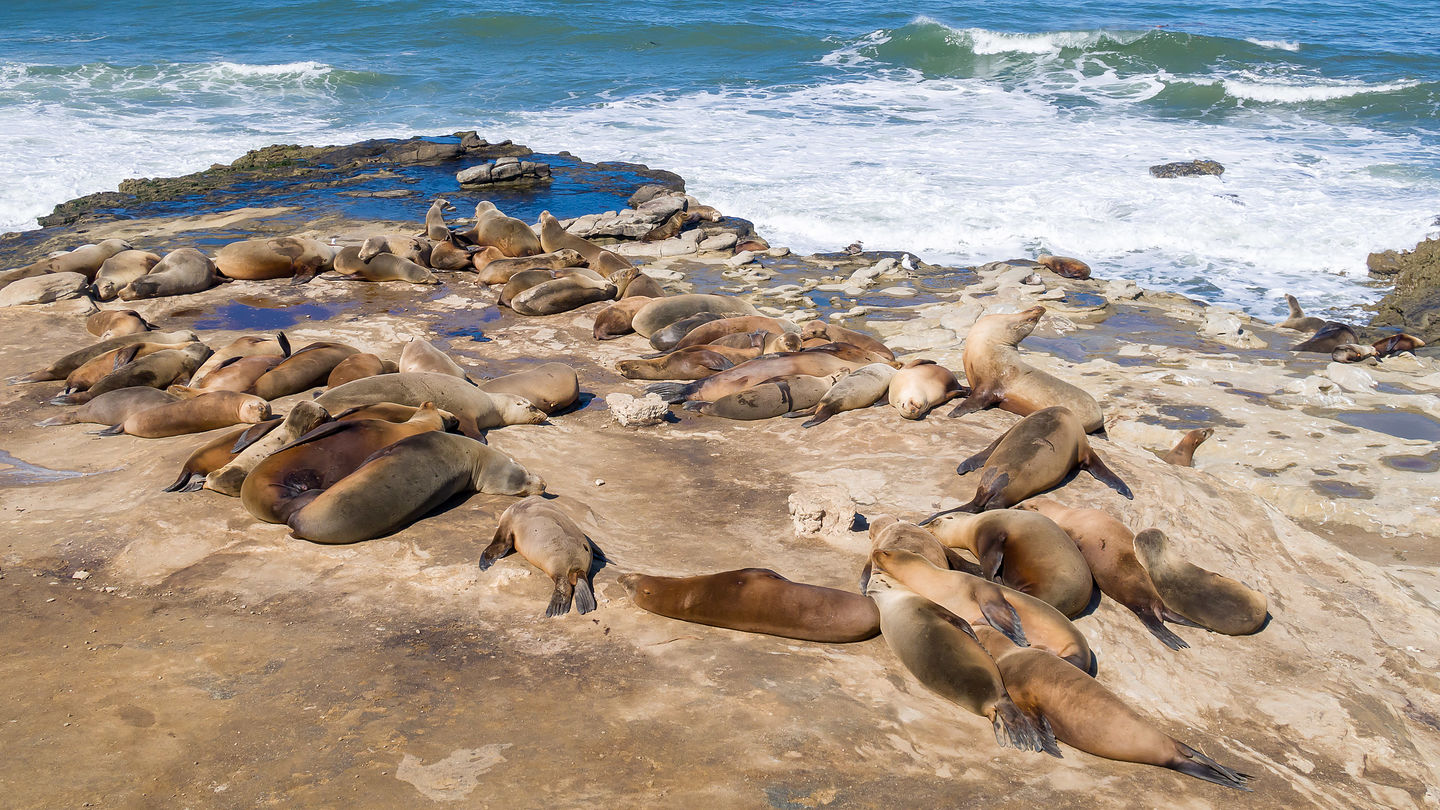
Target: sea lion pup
x=704 y=332
x=550 y=387
x=547 y=537
x=751 y=373
x=216 y=409
x=772 y=398
x=156 y=370
x=214 y=454
x=382 y=266
x=758 y=600
x=60 y=369
x=614 y=320
x=632 y=282
x=97 y=368
x=475 y=409
x=421 y=355
x=553 y=237
x=920 y=386
x=860 y=388
x=562 y=295
x=303 y=370
x=839 y=334
x=1064 y=266
x=451 y=257
x=182 y=271
x=113 y=406
x=1203 y=597
x=1109 y=551
x=940 y=650
x=358 y=366
x=1034 y=455
x=888 y=533
x=669 y=338
x=403 y=482
x=1352 y=353
x=121 y=269
x=294 y=474
x=998 y=376
x=1298 y=320
x=694 y=363
x=1329 y=336
x=86 y=260
x=1020 y=616
x=108 y=323
x=278 y=257
x=498 y=270
x=435 y=228
x=1024 y=550
x=512 y=236
x=303 y=418
x=1396 y=344
x=277 y=345
x=238 y=374
x=1183 y=453
x=662 y=312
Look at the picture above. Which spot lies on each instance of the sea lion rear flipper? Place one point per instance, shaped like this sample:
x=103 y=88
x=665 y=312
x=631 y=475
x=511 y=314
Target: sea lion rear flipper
x=810 y=411
x=182 y=484
x=1018 y=729
x=113 y=430
x=469 y=427
x=1193 y=763
x=125 y=356
x=1171 y=616
x=503 y=543
x=865 y=576
x=584 y=596
x=1158 y=629
x=671 y=392
x=1001 y=615
x=561 y=599
x=1096 y=467
x=976 y=401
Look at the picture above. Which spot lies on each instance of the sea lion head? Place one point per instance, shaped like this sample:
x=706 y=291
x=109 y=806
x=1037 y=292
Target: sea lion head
x=254 y=410
x=815 y=329
x=1150 y=544
x=634 y=584
x=880 y=523
x=373 y=247
x=443 y=204
x=784 y=342
x=517 y=410
x=1352 y=352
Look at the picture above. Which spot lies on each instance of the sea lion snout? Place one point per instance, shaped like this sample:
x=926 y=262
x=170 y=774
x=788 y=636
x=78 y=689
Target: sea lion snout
x=534 y=485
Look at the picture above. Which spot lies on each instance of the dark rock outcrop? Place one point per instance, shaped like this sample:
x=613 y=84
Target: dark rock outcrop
x=1414 y=304
x=1187 y=168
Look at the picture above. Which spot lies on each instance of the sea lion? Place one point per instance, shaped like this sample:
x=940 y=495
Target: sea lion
x=553 y=237
x=238 y=374
x=406 y=247
x=435 y=228
x=358 y=366
x=769 y=399
x=1396 y=344
x=94 y=370
x=182 y=271
x=758 y=600
x=60 y=369
x=1024 y=550
x=1064 y=266
x=860 y=388
x=1298 y=319
x=483 y=257
x=391 y=412
x=85 y=260
x=156 y=370
x=711 y=329
x=1020 y=616
x=522 y=281
x=499 y=271
x=550 y=387
x=614 y=320
x=303 y=418
x=277 y=257
x=769 y=342
x=694 y=363
x=205 y=412
x=851 y=352
x=632 y=282
x=547 y=537
x=214 y=454
x=512 y=236
x=121 y=269
x=108 y=323
x=382 y=266
x=670 y=337
x=562 y=295
x=667 y=229
x=403 y=482
x=888 y=533
x=1352 y=353
x=662 y=312
x=303 y=370
x=998 y=376
x=1183 y=453
x=920 y=386
x=940 y=650
x=1329 y=336
x=451 y=257
x=477 y=410
x=832 y=333
x=113 y=406
x=421 y=355
x=1109 y=551
x=1035 y=454
x=277 y=345
x=753 y=372
x=1207 y=599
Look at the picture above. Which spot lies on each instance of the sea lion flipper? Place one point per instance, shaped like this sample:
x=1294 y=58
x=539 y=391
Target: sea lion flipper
x=1001 y=615
x=182 y=483
x=1193 y=763
x=978 y=460
x=284 y=341
x=976 y=401
x=113 y=430
x=1171 y=616
x=584 y=596
x=1096 y=467
x=503 y=543
x=810 y=411
x=125 y=356
x=1018 y=729
x=253 y=434
x=1158 y=629
x=561 y=599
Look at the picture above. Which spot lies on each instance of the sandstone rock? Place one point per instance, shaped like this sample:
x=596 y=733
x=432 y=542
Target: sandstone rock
x=821 y=512
x=740 y=259
x=504 y=169
x=1187 y=168
x=724 y=241
x=630 y=411
x=1350 y=378
x=1122 y=290
x=1224 y=326
x=44 y=289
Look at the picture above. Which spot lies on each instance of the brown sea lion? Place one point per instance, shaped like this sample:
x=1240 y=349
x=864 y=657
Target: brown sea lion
x=662 y=312
x=888 y=533
x=1207 y=599
x=475 y=409
x=303 y=417
x=769 y=399
x=404 y=481
x=1396 y=344
x=1329 y=336
x=245 y=346
x=851 y=352
x=108 y=323
x=114 y=406
x=96 y=369
x=614 y=320
x=547 y=537
x=358 y=366
x=512 y=236
x=940 y=650
x=451 y=257
x=716 y=328
x=238 y=374
x=121 y=269
x=829 y=332
x=694 y=363
x=421 y=355
x=668 y=338
x=499 y=270
x=406 y=247
x=860 y=388
x=753 y=372
x=549 y=387
x=920 y=386
x=553 y=237
x=1035 y=454
x=303 y=370
x=60 y=369
x=758 y=600
x=1183 y=453
x=1352 y=353
x=632 y=282
x=998 y=376
x=1084 y=714
x=435 y=228
x=214 y=454
x=276 y=257
x=1298 y=320
x=391 y=412
x=181 y=272
x=1109 y=551
x=156 y=370
x=85 y=260
x=1064 y=266
x=562 y=295
x=522 y=281
x=206 y=412
x=1024 y=550
x=482 y=258
x=382 y=265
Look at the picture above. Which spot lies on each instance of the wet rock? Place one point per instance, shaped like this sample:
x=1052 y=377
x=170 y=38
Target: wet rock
x=820 y=513
x=44 y=289
x=721 y=242
x=1187 y=168
x=630 y=411
x=1415 y=301
x=740 y=259
x=503 y=170
x=866 y=276
x=1122 y=290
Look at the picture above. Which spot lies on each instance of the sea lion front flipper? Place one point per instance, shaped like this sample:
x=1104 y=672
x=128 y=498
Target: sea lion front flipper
x=1096 y=467
x=253 y=434
x=810 y=411
x=1157 y=628
x=1171 y=616
x=976 y=401
x=503 y=543
x=978 y=460
x=1001 y=615
x=1018 y=729
x=125 y=356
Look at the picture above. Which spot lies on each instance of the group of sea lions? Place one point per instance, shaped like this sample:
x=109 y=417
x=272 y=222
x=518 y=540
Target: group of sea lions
x=1341 y=340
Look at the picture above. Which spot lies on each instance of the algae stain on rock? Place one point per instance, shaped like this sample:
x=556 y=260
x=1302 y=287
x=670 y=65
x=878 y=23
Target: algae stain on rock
x=453 y=778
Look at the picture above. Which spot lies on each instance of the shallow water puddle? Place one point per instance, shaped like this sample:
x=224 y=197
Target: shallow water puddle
x=17 y=473
x=1400 y=424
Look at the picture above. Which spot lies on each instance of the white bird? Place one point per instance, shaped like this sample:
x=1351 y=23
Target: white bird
x=906 y=263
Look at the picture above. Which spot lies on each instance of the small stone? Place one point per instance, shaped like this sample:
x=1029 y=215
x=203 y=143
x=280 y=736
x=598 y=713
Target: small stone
x=1188 y=168
x=1122 y=290
x=599 y=482
x=80 y=575
x=818 y=513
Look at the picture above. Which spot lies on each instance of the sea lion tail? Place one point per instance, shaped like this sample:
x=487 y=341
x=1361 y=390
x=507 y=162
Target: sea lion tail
x=1193 y=763
x=1016 y=729
x=184 y=482
x=1157 y=628
x=561 y=599
x=671 y=392
x=584 y=596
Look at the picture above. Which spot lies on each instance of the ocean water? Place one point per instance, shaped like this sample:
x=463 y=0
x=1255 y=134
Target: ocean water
x=963 y=132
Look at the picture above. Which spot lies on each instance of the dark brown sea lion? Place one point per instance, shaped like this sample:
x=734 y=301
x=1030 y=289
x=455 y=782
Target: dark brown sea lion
x=94 y=370
x=554 y=237
x=156 y=370
x=1024 y=550
x=245 y=346
x=1324 y=341
x=358 y=366
x=303 y=417
x=303 y=370
x=1396 y=344
x=60 y=369
x=1064 y=266
x=239 y=374
x=758 y=600
x=205 y=412
x=920 y=386
x=1207 y=599
x=614 y=320
x=669 y=338
x=547 y=537
x=1183 y=453
x=694 y=363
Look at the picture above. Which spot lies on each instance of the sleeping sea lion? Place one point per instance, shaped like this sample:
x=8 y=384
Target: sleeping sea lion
x=1207 y=599
x=182 y=271
x=662 y=312
x=550 y=387
x=547 y=537
x=278 y=257
x=920 y=386
x=1024 y=550
x=832 y=333
x=156 y=370
x=113 y=407
x=214 y=454
x=562 y=295
x=614 y=321
x=303 y=370
x=753 y=372
x=499 y=270
x=108 y=323
x=205 y=412
x=60 y=369
x=421 y=355
x=358 y=366
x=716 y=328
x=860 y=388
x=245 y=346
x=769 y=399
x=121 y=269
x=475 y=409
x=1064 y=266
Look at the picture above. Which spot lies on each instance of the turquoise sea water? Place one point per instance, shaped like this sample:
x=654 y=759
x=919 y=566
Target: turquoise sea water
x=960 y=131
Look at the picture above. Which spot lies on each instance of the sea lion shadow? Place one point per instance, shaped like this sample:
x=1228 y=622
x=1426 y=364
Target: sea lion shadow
x=580 y=403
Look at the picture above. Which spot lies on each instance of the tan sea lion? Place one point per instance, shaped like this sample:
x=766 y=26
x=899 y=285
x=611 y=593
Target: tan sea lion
x=85 y=260
x=421 y=355
x=451 y=257
x=1329 y=336
x=391 y=412
x=940 y=650
x=182 y=271
x=245 y=346
x=547 y=537
x=1396 y=344
x=753 y=372
x=694 y=363
x=888 y=533
x=714 y=329
x=767 y=400
x=851 y=352
x=758 y=600
x=512 y=236
x=276 y=257
x=1084 y=714
x=121 y=269
x=998 y=376
x=1109 y=551
x=499 y=270
x=632 y=282
x=406 y=247
x=94 y=370
x=831 y=333
x=382 y=265
x=664 y=311
x=156 y=370
x=358 y=366
x=550 y=387
x=303 y=418
x=483 y=257
x=205 y=412
x=108 y=323
x=403 y=482
x=435 y=228
x=920 y=386
x=553 y=237
x=1064 y=266
x=477 y=410
x=1035 y=454
x=115 y=406
x=614 y=320
x=860 y=388
x=1024 y=550
x=1352 y=353
x=214 y=454
x=238 y=374
x=1207 y=599
x=303 y=370
x=522 y=281
x=669 y=338
x=1298 y=320
x=1183 y=453
x=60 y=369
x=562 y=295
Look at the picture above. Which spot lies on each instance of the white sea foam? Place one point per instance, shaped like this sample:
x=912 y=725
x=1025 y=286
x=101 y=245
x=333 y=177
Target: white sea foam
x=1295 y=92
x=1275 y=44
